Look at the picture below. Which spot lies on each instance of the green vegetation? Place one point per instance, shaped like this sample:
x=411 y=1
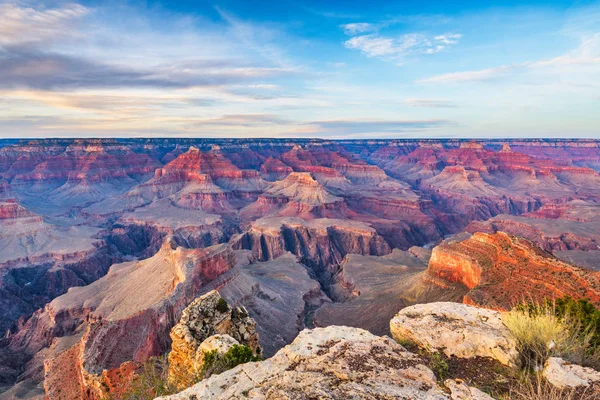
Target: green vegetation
x=222 y=306
x=215 y=363
x=152 y=381
x=438 y=365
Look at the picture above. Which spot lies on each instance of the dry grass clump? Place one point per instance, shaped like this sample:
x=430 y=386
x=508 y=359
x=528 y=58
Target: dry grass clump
x=563 y=328
x=535 y=387
x=541 y=333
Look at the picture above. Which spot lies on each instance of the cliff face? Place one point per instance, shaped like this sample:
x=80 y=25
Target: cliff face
x=502 y=270
x=320 y=243
x=125 y=316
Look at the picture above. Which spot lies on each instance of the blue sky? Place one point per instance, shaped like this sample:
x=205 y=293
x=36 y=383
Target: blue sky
x=328 y=69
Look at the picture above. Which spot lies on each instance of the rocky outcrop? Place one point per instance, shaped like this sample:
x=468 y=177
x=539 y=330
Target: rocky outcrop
x=500 y=270
x=457 y=330
x=208 y=323
x=564 y=375
x=334 y=362
x=194 y=335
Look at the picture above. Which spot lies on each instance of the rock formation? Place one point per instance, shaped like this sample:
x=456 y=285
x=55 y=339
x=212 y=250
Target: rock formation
x=208 y=323
x=500 y=271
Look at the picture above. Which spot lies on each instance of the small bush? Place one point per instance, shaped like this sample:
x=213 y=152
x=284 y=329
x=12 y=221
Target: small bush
x=150 y=381
x=438 y=365
x=222 y=306
x=540 y=333
x=215 y=363
x=583 y=314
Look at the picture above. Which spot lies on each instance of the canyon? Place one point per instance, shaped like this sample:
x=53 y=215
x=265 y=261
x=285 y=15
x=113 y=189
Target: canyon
x=105 y=242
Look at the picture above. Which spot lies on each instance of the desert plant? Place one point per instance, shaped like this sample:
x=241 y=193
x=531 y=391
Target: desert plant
x=565 y=328
x=150 y=381
x=438 y=365
x=222 y=306
x=540 y=333
x=583 y=313
x=215 y=363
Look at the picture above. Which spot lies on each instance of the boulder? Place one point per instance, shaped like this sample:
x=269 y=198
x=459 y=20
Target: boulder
x=564 y=375
x=456 y=330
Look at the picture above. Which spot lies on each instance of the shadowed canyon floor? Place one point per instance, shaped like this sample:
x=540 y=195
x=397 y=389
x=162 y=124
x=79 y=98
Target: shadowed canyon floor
x=104 y=243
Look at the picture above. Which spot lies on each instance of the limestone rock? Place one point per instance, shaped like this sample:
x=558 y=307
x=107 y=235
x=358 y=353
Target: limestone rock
x=335 y=362
x=564 y=375
x=220 y=343
x=459 y=390
x=208 y=323
x=457 y=330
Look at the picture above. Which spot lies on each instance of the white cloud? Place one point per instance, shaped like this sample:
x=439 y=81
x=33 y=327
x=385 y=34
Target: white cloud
x=387 y=48
x=27 y=25
x=450 y=38
x=358 y=27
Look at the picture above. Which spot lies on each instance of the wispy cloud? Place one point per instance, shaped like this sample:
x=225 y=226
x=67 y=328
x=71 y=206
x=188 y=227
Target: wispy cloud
x=586 y=54
x=468 y=76
x=450 y=38
x=357 y=27
x=27 y=25
x=430 y=103
x=396 y=49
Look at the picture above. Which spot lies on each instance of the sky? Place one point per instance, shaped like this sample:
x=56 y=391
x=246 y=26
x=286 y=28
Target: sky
x=330 y=69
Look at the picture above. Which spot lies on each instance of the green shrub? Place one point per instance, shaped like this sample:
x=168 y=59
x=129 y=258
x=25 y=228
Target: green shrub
x=438 y=365
x=215 y=363
x=583 y=314
x=222 y=306
x=150 y=381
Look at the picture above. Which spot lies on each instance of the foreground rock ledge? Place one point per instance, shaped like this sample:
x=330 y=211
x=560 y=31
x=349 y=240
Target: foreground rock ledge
x=334 y=362
x=457 y=330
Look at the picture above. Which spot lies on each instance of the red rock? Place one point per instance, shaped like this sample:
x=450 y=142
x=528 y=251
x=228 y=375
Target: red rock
x=502 y=270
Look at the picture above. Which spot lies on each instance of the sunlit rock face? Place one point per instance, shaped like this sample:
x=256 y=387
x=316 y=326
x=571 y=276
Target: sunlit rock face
x=499 y=269
x=301 y=233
